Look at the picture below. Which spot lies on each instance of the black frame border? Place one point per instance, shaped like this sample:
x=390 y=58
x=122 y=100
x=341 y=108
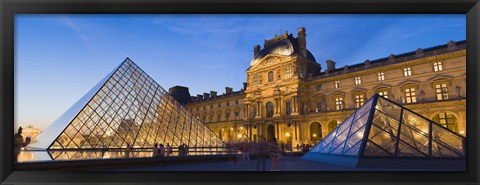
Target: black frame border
x=8 y=8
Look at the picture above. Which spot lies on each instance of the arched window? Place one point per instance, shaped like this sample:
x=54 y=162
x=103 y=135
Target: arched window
x=332 y=125
x=269 y=109
x=447 y=120
x=288 y=71
x=319 y=106
x=270 y=76
x=315 y=132
x=255 y=80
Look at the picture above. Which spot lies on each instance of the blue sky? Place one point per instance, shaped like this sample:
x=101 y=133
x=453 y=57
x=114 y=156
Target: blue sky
x=58 y=58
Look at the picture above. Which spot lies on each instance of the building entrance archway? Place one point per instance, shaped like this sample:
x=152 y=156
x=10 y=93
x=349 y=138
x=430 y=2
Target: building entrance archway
x=270 y=132
x=315 y=132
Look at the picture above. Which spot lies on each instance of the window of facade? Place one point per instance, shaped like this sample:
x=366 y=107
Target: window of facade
x=219 y=117
x=198 y=108
x=203 y=119
x=204 y=107
x=278 y=75
x=447 y=120
x=254 y=111
x=227 y=116
x=288 y=72
x=441 y=91
x=255 y=80
x=211 y=106
x=359 y=100
x=228 y=103
x=381 y=76
x=219 y=104
x=383 y=93
x=407 y=72
x=237 y=114
x=288 y=108
x=437 y=66
x=319 y=105
x=358 y=81
x=339 y=103
x=269 y=109
x=319 y=87
x=270 y=76
x=337 y=84
x=411 y=95
x=210 y=118
x=236 y=102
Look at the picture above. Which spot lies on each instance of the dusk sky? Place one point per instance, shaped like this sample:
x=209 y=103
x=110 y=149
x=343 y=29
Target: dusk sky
x=58 y=58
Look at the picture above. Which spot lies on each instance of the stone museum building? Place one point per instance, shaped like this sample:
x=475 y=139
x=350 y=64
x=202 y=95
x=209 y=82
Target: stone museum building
x=289 y=96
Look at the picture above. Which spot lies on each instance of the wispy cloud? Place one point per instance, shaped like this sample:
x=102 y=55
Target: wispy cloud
x=75 y=27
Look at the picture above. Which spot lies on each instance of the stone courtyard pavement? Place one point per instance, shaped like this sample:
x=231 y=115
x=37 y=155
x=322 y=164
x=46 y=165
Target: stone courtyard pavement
x=289 y=163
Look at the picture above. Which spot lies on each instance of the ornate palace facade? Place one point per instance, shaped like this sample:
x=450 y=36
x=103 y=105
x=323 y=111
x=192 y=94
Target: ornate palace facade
x=289 y=97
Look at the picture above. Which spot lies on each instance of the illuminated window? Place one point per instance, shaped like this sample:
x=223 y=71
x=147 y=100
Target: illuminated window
x=288 y=108
x=447 y=120
x=359 y=100
x=255 y=80
x=358 y=81
x=407 y=72
x=288 y=72
x=437 y=66
x=319 y=87
x=383 y=93
x=270 y=76
x=410 y=94
x=337 y=84
x=442 y=91
x=338 y=103
x=319 y=106
x=381 y=76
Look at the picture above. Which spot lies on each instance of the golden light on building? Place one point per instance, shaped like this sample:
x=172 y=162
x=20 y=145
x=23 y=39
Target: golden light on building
x=287 y=90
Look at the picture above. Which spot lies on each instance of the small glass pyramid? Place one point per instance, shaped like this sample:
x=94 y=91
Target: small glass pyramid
x=126 y=108
x=382 y=128
x=244 y=139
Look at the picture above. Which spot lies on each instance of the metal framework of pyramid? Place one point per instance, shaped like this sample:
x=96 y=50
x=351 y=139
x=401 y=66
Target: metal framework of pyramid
x=126 y=108
x=382 y=129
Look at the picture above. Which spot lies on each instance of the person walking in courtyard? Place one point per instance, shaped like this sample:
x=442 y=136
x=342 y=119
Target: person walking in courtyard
x=168 y=150
x=161 y=151
x=155 y=150
x=275 y=154
x=245 y=152
x=261 y=149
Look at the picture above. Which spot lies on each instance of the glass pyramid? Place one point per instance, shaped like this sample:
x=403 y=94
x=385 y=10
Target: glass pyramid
x=126 y=108
x=244 y=139
x=384 y=129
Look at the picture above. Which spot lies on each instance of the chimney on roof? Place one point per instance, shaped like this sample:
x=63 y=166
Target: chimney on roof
x=214 y=94
x=367 y=62
x=391 y=58
x=256 y=50
x=419 y=52
x=206 y=95
x=193 y=98
x=302 y=41
x=451 y=44
x=345 y=67
x=199 y=97
x=228 y=90
x=330 y=65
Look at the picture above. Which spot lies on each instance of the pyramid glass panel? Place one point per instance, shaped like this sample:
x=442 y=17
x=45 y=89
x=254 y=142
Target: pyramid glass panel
x=383 y=129
x=126 y=108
